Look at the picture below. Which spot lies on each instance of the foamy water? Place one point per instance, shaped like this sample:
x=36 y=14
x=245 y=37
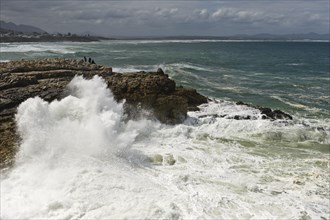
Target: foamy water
x=80 y=158
x=36 y=47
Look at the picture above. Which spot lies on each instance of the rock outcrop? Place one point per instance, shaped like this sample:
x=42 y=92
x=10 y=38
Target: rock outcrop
x=47 y=78
x=268 y=113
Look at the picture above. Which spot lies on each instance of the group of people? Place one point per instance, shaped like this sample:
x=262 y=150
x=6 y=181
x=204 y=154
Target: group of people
x=90 y=60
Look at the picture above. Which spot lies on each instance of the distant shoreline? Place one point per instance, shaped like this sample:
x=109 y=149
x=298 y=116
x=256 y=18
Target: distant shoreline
x=160 y=40
x=49 y=38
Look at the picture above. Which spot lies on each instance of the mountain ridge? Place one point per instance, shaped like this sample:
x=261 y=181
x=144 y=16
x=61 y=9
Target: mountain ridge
x=10 y=26
x=20 y=27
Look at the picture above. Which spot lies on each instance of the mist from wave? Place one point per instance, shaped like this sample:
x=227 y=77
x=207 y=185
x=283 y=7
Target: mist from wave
x=80 y=157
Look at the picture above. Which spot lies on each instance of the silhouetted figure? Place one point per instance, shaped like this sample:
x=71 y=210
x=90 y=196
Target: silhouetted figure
x=93 y=62
x=85 y=59
x=89 y=60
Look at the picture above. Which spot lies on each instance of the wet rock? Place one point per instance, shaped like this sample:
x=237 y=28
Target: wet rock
x=48 y=78
x=171 y=109
x=169 y=159
x=194 y=99
x=268 y=113
x=156 y=159
x=242 y=117
x=159 y=70
x=156 y=92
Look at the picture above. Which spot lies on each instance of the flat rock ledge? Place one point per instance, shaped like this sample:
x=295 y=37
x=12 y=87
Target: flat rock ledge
x=48 y=78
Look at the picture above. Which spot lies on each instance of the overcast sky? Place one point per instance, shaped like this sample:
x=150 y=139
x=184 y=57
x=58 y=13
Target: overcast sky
x=165 y=18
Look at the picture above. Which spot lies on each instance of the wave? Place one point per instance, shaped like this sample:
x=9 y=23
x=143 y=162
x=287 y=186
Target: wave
x=125 y=70
x=80 y=158
x=295 y=64
x=189 y=66
x=168 y=68
x=120 y=58
x=188 y=73
x=297 y=105
x=301 y=129
x=22 y=48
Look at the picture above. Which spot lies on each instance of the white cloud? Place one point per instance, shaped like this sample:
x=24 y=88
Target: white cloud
x=202 y=14
x=166 y=12
x=242 y=16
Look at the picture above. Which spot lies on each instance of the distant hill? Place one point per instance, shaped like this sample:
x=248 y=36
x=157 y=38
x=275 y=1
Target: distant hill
x=20 y=28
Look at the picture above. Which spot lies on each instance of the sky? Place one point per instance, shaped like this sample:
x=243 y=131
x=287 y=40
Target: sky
x=170 y=18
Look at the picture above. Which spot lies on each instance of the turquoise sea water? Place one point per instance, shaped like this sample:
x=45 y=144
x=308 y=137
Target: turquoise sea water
x=79 y=160
x=292 y=76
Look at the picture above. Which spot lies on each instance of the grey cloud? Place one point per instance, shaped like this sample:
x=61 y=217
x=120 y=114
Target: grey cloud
x=202 y=14
x=166 y=12
x=170 y=17
x=118 y=14
x=245 y=16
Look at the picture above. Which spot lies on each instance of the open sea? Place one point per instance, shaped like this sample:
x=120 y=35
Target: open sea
x=79 y=160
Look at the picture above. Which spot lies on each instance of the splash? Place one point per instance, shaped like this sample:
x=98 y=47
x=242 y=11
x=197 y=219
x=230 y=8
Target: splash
x=87 y=122
x=62 y=141
x=79 y=159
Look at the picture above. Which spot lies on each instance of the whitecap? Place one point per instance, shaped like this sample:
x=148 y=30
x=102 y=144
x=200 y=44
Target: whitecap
x=294 y=64
x=22 y=48
x=79 y=159
x=125 y=69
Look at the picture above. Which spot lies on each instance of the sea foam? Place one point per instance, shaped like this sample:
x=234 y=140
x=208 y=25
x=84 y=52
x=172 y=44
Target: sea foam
x=81 y=158
x=35 y=47
x=61 y=141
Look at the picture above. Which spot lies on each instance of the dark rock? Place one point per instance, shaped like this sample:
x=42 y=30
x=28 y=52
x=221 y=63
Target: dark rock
x=242 y=117
x=274 y=114
x=171 y=109
x=278 y=114
x=47 y=78
x=193 y=97
x=268 y=113
x=159 y=70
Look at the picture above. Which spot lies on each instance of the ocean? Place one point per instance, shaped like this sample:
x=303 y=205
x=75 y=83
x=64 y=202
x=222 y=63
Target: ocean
x=79 y=160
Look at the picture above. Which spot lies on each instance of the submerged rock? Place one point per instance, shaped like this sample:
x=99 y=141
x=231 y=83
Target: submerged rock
x=48 y=78
x=156 y=159
x=268 y=113
x=170 y=159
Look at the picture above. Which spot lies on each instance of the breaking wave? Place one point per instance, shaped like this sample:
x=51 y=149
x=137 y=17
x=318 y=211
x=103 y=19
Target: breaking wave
x=36 y=47
x=81 y=158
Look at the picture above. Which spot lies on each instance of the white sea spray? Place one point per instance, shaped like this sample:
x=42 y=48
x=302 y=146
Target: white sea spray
x=80 y=158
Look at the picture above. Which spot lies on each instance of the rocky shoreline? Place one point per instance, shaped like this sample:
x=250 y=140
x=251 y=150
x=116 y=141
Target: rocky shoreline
x=48 y=78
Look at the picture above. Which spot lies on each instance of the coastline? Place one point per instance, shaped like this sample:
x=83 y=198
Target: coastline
x=50 y=38
x=219 y=141
x=48 y=78
x=151 y=91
